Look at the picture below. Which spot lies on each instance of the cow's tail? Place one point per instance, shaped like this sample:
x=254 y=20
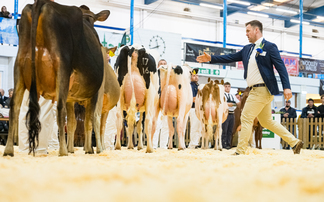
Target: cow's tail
x=131 y=112
x=32 y=122
x=210 y=122
x=166 y=97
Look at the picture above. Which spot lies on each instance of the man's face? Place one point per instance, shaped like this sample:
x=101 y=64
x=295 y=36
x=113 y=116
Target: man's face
x=10 y=94
x=238 y=97
x=162 y=62
x=322 y=99
x=251 y=33
x=288 y=104
x=2 y=92
x=194 y=77
x=227 y=88
x=311 y=103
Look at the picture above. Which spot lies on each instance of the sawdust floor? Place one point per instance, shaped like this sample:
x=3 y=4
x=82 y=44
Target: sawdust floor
x=165 y=175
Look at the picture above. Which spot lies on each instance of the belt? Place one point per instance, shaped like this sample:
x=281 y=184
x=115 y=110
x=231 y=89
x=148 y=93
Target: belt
x=230 y=112
x=257 y=85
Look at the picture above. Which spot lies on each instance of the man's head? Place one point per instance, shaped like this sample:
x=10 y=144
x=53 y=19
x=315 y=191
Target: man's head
x=10 y=91
x=227 y=87
x=288 y=103
x=3 y=9
x=2 y=92
x=253 y=30
x=194 y=75
x=310 y=102
x=238 y=96
x=162 y=62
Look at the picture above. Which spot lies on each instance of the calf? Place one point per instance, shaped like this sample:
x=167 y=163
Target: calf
x=176 y=99
x=211 y=109
x=138 y=80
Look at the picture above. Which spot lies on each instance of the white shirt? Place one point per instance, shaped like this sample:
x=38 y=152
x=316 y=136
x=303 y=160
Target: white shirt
x=253 y=74
x=232 y=98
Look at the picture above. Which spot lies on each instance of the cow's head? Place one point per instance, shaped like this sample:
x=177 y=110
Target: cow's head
x=91 y=17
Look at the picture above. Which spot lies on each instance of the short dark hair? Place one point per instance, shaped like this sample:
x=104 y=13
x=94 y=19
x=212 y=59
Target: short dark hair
x=227 y=83
x=255 y=23
x=310 y=99
x=322 y=96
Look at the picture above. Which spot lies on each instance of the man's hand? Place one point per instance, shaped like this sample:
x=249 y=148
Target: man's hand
x=287 y=94
x=286 y=115
x=203 y=58
x=194 y=99
x=230 y=104
x=310 y=116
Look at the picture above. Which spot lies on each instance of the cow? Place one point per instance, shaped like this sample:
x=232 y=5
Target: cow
x=60 y=58
x=211 y=109
x=175 y=100
x=139 y=83
x=257 y=128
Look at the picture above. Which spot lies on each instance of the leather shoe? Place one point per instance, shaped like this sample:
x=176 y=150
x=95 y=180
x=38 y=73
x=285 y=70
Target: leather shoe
x=296 y=149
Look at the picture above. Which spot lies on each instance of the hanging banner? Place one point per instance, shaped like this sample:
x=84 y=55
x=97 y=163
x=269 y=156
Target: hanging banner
x=309 y=66
x=8 y=31
x=192 y=51
x=321 y=89
x=291 y=64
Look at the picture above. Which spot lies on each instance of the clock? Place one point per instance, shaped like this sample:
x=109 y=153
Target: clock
x=157 y=43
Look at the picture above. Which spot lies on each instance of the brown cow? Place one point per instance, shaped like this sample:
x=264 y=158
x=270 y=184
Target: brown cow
x=237 y=123
x=60 y=58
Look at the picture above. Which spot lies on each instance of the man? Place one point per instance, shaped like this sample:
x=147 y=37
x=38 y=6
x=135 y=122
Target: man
x=227 y=126
x=287 y=111
x=238 y=97
x=2 y=98
x=195 y=131
x=7 y=102
x=162 y=128
x=258 y=58
x=320 y=109
x=310 y=111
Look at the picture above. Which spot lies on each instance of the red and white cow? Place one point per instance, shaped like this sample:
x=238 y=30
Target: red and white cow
x=139 y=84
x=176 y=99
x=211 y=109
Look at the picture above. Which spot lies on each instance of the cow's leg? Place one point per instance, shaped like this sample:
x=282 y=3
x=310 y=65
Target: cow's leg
x=119 y=123
x=130 y=130
x=171 y=132
x=218 y=135
x=15 y=104
x=181 y=127
x=88 y=119
x=140 y=132
x=61 y=114
x=96 y=123
x=103 y=129
x=71 y=126
x=148 y=132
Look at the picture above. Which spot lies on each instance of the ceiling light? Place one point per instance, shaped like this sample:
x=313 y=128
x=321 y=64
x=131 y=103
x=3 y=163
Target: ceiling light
x=297 y=21
x=286 y=11
x=258 y=8
x=281 y=1
x=210 y=6
x=258 y=14
x=268 y=4
x=239 y=2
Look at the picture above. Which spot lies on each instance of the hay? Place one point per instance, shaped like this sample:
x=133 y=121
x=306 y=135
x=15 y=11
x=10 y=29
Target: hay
x=165 y=175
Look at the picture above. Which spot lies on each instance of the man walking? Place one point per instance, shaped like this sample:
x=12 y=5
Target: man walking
x=258 y=58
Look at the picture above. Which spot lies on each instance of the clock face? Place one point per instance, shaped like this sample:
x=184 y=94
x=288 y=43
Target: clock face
x=157 y=43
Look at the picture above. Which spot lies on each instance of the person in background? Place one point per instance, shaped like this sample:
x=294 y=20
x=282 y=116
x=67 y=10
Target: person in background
x=310 y=111
x=195 y=131
x=4 y=13
x=320 y=109
x=162 y=129
x=2 y=98
x=288 y=111
x=7 y=102
x=227 y=126
x=238 y=97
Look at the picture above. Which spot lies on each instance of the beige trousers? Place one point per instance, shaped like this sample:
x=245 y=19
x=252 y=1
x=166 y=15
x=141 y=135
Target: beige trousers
x=258 y=104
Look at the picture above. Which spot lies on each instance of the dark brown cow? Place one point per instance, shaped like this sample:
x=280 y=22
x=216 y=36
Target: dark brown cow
x=237 y=121
x=60 y=58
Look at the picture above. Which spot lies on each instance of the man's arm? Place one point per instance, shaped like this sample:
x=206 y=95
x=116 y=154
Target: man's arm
x=292 y=113
x=304 y=113
x=220 y=58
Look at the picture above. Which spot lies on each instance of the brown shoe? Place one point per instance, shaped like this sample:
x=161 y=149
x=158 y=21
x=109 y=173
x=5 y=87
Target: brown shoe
x=297 y=147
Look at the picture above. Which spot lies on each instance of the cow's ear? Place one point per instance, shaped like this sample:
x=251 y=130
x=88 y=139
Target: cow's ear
x=208 y=80
x=222 y=82
x=103 y=15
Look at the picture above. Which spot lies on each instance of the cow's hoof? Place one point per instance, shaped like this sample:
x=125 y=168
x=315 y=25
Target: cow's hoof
x=89 y=152
x=180 y=149
x=117 y=148
x=8 y=154
x=220 y=150
x=170 y=148
x=149 y=151
x=130 y=147
x=72 y=152
x=139 y=148
x=60 y=155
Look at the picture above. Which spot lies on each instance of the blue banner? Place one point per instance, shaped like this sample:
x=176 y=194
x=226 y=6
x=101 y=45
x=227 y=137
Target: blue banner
x=8 y=31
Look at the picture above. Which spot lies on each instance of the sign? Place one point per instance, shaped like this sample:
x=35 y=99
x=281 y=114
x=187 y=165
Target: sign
x=270 y=139
x=211 y=72
x=309 y=66
x=8 y=31
x=195 y=50
x=291 y=64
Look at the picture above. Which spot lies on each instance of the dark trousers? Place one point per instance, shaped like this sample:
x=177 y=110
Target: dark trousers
x=227 y=127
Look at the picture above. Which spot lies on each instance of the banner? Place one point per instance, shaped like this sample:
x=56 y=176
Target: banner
x=194 y=50
x=321 y=89
x=8 y=31
x=291 y=64
x=309 y=66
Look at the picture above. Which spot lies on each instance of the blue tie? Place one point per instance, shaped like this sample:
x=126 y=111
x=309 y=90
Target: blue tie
x=253 y=45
